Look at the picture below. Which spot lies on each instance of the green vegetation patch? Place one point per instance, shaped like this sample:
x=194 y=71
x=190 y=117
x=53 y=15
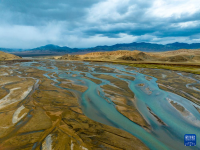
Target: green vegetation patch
x=185 y=68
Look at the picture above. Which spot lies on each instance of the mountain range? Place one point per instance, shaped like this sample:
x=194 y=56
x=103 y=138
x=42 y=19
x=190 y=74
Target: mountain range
x=57 y=50
x=146 y=47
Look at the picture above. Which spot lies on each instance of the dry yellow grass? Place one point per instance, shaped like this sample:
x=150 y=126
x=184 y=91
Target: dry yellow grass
x=6 y=56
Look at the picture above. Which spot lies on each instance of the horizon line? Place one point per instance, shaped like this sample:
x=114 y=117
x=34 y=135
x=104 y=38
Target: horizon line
x=94 y=46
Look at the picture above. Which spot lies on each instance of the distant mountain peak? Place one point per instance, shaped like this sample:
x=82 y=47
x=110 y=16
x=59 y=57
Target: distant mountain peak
x=52 y=49
x=51 y=45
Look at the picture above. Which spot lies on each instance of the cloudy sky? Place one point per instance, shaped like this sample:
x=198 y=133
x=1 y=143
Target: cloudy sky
x=88 y=23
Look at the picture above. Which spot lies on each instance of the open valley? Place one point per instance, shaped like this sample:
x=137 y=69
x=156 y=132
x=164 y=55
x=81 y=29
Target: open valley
x=56 y=104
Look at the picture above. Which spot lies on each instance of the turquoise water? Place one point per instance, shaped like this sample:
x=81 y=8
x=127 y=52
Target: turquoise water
x=100 y=108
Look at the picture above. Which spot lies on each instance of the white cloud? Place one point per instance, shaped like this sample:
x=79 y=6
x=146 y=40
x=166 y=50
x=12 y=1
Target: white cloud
x=20 y=36
x=109 y=9
x=189 y=24
x=174 y=8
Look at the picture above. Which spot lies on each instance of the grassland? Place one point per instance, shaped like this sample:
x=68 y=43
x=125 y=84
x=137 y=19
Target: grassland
x=185 y=67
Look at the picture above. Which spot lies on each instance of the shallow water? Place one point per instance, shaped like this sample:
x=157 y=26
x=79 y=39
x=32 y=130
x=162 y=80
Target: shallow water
x=100 y=108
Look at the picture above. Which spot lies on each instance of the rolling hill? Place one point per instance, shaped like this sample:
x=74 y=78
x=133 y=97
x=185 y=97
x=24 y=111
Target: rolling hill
x=6 y=56
x=182 y=55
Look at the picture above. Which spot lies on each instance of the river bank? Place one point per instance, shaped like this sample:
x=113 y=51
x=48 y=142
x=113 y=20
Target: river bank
x=97 y=105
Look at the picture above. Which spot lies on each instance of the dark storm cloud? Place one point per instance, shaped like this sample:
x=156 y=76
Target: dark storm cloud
x=41 y=11
x=87 y=23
